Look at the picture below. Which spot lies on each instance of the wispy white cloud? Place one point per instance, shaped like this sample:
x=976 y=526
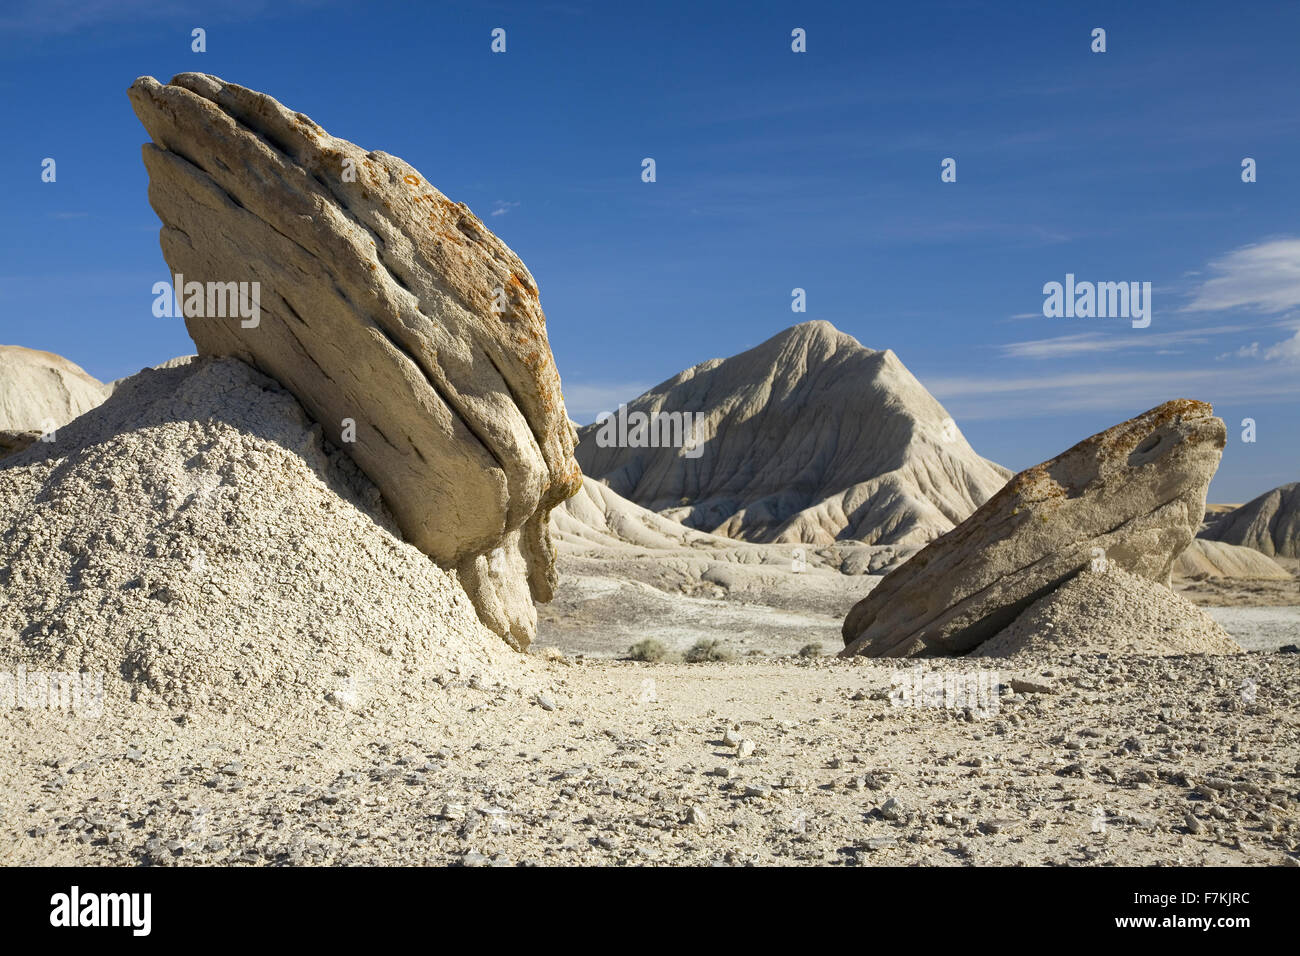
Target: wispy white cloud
x=1264 y=277
x=501 y=207
x=586 y=400
x=1119 y=339
x=1246 y=351
x=1288 y=350
x=1261 y=278
x=1125 y=391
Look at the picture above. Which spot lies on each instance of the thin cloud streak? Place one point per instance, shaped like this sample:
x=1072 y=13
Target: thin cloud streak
x=1264 y=277
x=1119 y=339
x=1127 y=391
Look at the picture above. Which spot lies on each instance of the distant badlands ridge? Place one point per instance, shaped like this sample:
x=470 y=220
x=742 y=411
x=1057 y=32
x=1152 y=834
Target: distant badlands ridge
x=882 y=464
x=807 y=438
x=40 y=391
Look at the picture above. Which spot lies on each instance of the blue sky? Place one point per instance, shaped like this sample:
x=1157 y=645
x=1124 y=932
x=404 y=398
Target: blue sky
x=775 y=170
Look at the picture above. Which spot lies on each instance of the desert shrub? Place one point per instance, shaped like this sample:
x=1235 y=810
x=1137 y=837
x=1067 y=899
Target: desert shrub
x=647 y=650
x=708 y=649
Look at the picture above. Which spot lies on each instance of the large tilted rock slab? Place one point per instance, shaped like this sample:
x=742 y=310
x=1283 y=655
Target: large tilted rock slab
x=1269 y=523
x=384 y=303
x=1134 y=493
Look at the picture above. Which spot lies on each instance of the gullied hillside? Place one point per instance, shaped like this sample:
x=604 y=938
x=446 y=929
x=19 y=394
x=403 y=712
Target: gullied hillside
x=1270 y=523
x=809 y=437
x=40 y=392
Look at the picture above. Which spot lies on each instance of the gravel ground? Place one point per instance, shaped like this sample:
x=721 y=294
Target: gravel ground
x=186 y=541
x=1082 y=760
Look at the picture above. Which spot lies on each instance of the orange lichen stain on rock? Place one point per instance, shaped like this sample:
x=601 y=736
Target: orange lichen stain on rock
x=515 y=280
x=411 y=180
x=573 y=480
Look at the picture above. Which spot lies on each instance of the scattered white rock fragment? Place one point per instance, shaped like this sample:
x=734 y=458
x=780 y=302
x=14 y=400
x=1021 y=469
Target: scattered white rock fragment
x=892 y=809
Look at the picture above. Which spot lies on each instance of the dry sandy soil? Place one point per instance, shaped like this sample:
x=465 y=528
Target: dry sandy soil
x=1097 y=760
x=1260 y=615
x=1230 y=592
x=377 y=724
